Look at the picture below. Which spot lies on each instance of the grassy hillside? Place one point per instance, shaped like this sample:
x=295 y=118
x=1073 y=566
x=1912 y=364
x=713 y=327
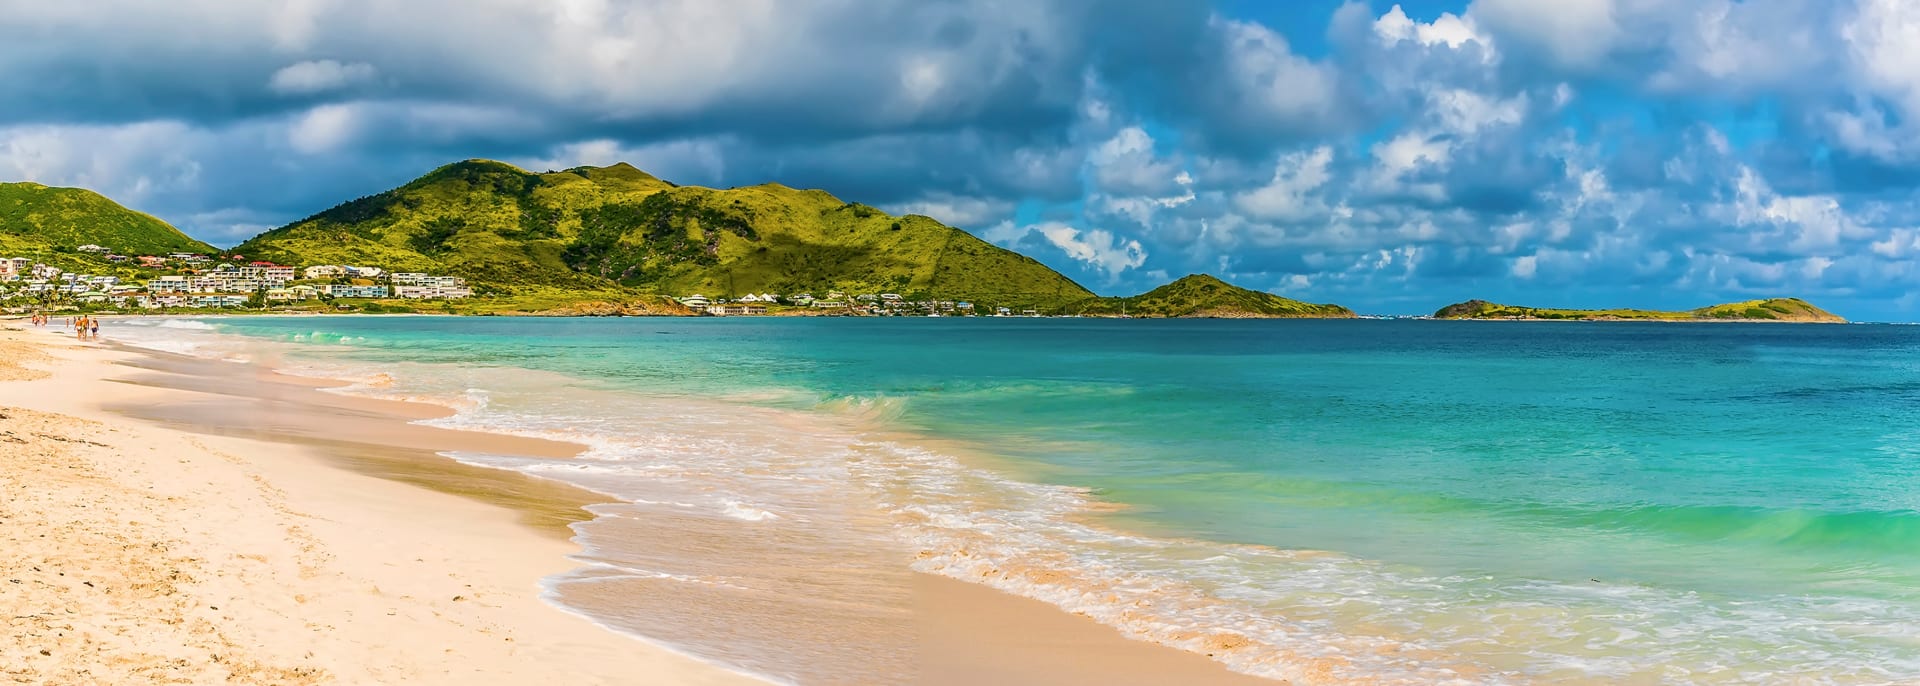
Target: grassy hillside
x=1775 y=309
x=36 y=220
x=1201 y=295
x=593 y=227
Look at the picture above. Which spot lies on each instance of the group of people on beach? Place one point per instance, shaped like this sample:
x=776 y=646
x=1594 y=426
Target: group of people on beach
x=85 y=327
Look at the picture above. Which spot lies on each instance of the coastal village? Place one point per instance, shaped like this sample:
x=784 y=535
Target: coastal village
x=198 y=281
x=864 y=305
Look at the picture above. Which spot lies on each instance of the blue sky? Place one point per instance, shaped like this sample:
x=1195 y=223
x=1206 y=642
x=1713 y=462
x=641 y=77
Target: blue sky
x=1390 y=157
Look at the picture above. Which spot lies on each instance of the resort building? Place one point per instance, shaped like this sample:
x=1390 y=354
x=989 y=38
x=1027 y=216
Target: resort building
x=428 y=292
x=217 y=301
x=268 y=272
x=325 y=271
x=168 y=284
x=339 y=291
x=418 y=279
x=292 y=294
x=696 y=301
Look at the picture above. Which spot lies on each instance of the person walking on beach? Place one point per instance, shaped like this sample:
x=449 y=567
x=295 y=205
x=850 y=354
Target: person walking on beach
x=93 y=329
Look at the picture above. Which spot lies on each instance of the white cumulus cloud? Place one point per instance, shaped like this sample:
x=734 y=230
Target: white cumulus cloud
x=1098 y=248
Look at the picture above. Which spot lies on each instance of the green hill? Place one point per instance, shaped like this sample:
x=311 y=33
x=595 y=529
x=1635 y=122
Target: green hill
x=36 y=220
x=1202 y=295
x=1771 y=310
x=506 y=228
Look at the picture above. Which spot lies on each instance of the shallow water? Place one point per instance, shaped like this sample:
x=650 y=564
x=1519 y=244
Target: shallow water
x=1410 y=502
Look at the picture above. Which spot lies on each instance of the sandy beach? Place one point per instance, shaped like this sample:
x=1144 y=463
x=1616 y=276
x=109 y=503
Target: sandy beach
x=179 y=520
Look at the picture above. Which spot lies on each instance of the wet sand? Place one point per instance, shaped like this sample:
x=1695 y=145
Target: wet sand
x=966 y=633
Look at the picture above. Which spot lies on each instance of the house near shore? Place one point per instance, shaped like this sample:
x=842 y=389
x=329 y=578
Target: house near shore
x=432 y=292
x=696 y=301
x=217 y=301
x=366 y=292
x=300 y=293
x=736 y=310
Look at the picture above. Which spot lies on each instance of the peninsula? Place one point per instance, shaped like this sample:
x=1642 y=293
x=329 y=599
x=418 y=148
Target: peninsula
x=1769 y=310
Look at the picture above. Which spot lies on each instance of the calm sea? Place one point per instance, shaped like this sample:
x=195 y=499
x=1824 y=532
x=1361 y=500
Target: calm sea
x=1404 y=501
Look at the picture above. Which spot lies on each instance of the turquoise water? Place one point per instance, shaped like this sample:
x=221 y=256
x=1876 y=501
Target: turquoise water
x=1405 y=501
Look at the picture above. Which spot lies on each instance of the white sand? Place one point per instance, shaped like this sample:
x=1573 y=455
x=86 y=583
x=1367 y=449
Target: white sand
x=140 y=554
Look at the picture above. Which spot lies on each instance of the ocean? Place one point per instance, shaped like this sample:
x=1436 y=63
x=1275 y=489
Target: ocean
x=1408 y=502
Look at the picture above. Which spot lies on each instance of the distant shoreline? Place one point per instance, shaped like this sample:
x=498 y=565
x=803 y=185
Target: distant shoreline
x=218 y=314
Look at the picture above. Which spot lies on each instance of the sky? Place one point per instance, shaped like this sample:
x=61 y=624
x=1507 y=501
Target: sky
x=1389 y=157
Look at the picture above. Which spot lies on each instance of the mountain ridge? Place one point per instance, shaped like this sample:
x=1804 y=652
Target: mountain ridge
x=594 y=227
x=37 y=218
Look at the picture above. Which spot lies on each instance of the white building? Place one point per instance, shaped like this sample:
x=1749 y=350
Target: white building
x=217 y=301
x=325 y=271
x=427 y=292
x=273 y=274
x=339 y=291
x=696 y=301
x=292 y=294
x=428 y=280
x=168 y=284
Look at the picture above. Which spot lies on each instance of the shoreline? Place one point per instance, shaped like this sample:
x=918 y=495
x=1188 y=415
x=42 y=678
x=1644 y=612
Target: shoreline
x=967 y=633
x=312 y=573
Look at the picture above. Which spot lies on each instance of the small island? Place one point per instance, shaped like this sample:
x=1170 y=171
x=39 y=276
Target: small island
x=1203 y=296
x=1792 y=310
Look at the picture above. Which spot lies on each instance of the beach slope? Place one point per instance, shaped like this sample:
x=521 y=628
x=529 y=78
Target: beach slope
x=142 y=554
x=176 y=519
